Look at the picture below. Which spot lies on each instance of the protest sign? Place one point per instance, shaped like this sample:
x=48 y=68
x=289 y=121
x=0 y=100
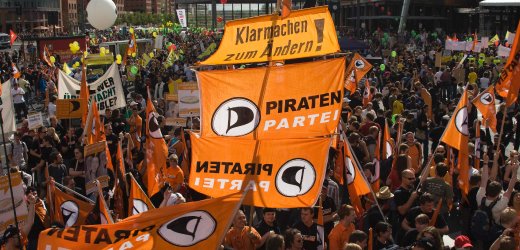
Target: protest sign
x=107 y=90
x=35 y=120
x=189 y=99
x=70 y=108
x=305 y=33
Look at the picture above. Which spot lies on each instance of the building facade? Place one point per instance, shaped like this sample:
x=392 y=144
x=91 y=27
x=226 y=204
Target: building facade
x=138 y=6
x=29 y=15
x=69 y=14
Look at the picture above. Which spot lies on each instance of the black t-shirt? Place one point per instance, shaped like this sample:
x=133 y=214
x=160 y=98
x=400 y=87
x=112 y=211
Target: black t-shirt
x=415 y=211
x=329 y=207
x=46 y=153
x=311 y=239
x=401 y=196
x=58 y=172
x=262 y=228
x=33 y=160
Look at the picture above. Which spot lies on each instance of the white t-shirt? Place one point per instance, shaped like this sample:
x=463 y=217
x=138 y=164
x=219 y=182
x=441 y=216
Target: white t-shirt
x=52 y=109
x=484 y=82
x=501 y=204
x=17 y=95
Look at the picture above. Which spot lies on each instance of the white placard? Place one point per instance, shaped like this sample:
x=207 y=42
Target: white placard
x=35 y=120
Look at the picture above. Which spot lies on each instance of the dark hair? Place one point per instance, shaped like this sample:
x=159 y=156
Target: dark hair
x=401 y=163
x=382 y=227
x=438 y=158
x=308 y=208
x=357 y=236
x=475 y=179
x=493 y=189
x=289 y=236
x=441 y=169
x=274 y=242
x=426 y=198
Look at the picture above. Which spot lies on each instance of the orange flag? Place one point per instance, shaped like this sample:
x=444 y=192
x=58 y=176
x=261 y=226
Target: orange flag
x=68 y=210
x=132 y=45
x=286 y=8
x=106 y=218
x=16 y=72
x=508 y=83
x=475 y=41
x=84 y=92
x=356 y=183
x=121 y=162
x=367 y=94
x=387 y=142
x=356 y=70
x=456 y=136
x=138 y=200
x=194 y=225
x=46 y=56
x=94 y=129
x=485 y=103
x=361 y=66
x=156 y=150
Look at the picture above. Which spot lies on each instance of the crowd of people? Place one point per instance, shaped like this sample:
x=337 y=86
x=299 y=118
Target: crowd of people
x=404 y=215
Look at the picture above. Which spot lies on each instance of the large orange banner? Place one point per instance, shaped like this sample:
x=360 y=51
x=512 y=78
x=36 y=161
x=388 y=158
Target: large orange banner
x=283 y=173
x=194 y=225
x=305 y=33
x=299 y=100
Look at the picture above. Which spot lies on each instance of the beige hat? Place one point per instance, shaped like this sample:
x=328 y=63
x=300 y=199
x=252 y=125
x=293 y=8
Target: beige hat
x=384 y=193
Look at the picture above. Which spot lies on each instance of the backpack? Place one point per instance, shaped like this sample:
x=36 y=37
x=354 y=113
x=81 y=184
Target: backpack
x=482 y=219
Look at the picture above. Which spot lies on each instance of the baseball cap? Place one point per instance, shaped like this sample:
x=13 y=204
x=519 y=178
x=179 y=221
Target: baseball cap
x=462 y=241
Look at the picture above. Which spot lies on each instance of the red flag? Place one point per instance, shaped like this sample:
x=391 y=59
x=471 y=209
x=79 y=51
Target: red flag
x=12 y=36
x=156 y=150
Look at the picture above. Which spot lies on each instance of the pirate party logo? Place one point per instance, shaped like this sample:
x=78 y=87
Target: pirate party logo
x=235 y=117
x=295 y=177
x=70 y=213
x=188 y=229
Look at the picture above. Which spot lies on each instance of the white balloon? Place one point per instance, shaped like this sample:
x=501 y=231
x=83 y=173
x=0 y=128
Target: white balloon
x=102 y=14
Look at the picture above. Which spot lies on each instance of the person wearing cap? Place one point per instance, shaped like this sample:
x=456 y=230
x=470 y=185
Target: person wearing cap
x=173 y=174
x=136 y=125
x=462 y=242
x=340 y=234
x=267 y=226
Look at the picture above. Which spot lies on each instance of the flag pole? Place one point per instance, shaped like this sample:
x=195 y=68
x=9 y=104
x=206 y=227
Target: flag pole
x=363 y=175
x=75 y=192
x=501 y=129
x=9 y=176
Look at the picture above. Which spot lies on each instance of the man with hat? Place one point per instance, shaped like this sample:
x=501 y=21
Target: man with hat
x=267 y=226
x=373 y=214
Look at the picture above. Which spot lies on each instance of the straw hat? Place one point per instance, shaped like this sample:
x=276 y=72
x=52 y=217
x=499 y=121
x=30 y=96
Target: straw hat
x=384 y=193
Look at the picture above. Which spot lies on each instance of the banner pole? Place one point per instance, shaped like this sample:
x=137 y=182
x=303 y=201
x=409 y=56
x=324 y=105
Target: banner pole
x=363 y=174
x=501 y=129
x=9 y=178
x=76 y=193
